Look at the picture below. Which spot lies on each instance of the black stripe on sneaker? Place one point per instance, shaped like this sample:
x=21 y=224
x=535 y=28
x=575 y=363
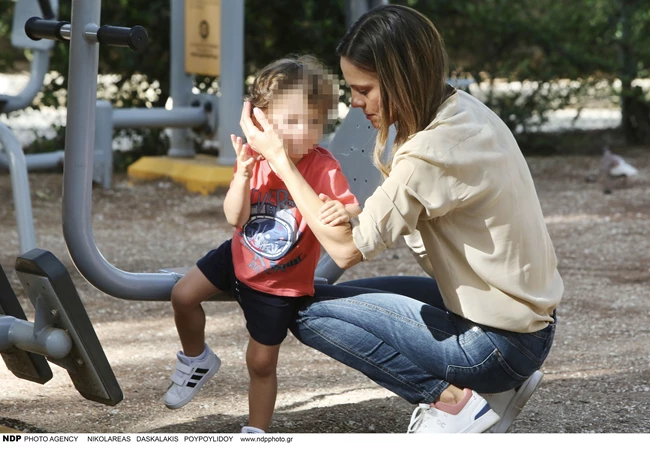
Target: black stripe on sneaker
x=197 y=377
x=191 y=384
x=201 y=370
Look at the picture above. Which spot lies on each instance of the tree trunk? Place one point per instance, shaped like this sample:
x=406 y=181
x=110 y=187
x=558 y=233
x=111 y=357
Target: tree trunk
x=635 y=110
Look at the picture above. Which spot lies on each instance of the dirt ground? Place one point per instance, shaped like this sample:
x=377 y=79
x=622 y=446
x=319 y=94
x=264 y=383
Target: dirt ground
x=597 y=376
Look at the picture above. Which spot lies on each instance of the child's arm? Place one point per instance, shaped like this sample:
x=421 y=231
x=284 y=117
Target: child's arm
x=237 y=204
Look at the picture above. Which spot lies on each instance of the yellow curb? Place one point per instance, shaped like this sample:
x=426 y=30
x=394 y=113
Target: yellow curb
x=200 y=174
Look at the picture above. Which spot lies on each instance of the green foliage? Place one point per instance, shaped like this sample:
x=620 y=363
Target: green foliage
x=274 y=29
x=544 y=41
x=7 y=53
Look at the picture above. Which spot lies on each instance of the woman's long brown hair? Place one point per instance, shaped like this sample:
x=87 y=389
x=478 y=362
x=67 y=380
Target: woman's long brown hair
x=403 y=49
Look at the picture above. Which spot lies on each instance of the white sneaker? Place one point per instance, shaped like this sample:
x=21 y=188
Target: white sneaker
x=509 y=404
x=253 y=430
x=472 y=415
x=188 y=379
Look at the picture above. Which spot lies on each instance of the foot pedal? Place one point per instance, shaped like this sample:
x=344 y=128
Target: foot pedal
x=51 y=290
x=23 y=364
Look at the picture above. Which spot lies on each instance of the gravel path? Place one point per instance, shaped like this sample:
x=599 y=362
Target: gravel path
x=597 y=376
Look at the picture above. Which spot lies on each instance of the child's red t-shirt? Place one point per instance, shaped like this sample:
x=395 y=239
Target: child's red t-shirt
x=275 y=251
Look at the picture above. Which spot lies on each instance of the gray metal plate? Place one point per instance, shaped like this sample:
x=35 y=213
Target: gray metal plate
x=50 y=289
x=352 y=145
x=25 y=365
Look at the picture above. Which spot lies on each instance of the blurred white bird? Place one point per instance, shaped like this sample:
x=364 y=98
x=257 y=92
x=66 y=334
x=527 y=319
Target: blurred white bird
x=616 y=169
x=616 y=166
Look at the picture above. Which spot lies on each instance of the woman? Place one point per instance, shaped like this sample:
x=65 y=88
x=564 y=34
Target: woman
x=458 y=189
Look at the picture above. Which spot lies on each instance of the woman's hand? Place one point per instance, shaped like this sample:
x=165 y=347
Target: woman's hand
x=266 y=142
x=333 y=212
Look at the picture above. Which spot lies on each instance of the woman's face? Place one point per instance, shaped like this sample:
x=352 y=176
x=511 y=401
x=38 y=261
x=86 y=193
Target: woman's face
x=365 y=91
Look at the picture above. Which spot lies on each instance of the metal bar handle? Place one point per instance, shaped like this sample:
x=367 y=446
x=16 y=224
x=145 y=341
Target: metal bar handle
x=37 y=29
x=135 y=37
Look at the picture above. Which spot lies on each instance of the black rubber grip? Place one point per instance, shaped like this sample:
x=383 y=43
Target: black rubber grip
x=37 y=28
x=135 y=37
x=46 y=9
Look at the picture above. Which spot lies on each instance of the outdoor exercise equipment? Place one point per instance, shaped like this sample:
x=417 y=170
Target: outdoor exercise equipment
x=197 y=112
x=13 y=157
x=62 y=332
x=192 y=114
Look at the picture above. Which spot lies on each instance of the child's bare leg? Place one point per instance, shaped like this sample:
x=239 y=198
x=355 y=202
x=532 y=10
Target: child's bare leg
x=262 y=361
x=189 y=316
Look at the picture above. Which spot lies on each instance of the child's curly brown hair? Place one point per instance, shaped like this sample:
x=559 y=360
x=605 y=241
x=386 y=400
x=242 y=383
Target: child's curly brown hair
x=305 y=72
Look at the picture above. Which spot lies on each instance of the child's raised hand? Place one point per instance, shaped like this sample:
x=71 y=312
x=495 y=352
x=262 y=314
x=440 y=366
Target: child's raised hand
x=245 y=159
x=333 y=212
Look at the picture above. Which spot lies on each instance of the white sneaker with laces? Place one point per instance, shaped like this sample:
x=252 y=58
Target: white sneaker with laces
x=472 y=415
x=187 y=379
x=509 y=404
x=251 y=430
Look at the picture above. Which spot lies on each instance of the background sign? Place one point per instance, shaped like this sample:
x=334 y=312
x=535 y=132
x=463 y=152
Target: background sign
x=202 y=36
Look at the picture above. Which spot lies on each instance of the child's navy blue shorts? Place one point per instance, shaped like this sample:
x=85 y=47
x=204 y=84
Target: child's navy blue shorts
x=267 y=316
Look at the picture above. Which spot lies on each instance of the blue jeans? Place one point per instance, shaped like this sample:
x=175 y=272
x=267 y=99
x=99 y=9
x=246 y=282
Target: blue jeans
x=397 y=331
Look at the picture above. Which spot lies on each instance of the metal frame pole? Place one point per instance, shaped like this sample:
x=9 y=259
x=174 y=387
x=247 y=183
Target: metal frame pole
x=78 y=171
x=232 y=77
x=181 y=83
x=20 y=188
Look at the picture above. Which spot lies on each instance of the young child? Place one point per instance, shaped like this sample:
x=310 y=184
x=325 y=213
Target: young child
x=268 y=265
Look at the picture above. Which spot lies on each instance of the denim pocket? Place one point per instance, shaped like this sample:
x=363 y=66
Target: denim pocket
x=492 y=375
x=522 y=348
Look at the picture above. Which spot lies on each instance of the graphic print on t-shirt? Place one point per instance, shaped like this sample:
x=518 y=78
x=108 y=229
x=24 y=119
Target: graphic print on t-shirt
x=275 y=251
x=272 y=229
